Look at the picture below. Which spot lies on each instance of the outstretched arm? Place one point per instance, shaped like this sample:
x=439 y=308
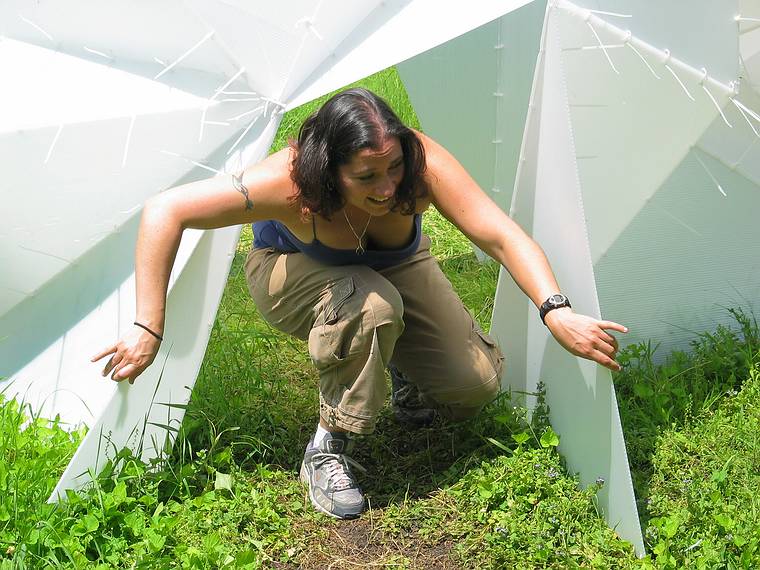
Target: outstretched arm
x=458 y=197
x=260 y=193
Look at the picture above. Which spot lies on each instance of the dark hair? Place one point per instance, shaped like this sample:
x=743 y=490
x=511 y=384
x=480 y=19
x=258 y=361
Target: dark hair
x=348 y=122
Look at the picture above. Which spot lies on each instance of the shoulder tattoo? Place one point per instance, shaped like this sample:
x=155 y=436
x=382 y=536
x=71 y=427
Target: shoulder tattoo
x=237 y=183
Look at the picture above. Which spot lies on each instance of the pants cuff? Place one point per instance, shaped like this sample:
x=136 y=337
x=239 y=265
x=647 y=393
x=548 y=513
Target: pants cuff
x=336 y=417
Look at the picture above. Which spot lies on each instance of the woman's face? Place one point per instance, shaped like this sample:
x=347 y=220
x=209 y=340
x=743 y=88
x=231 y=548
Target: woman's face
x=370 y=179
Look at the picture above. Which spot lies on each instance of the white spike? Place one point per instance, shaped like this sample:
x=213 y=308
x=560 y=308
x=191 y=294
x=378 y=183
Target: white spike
x=710 y=174
x=191 y=161
x=126 y=144
x=747 y=110
x=642 y=58
x=241 y=115
x=601 y=45
x=96 y=52
x=213 y=97
x=132 y=210
x=274 y=102
x=232 y=100
x=36 y=27
x=710 y=95
x=679 y=221
x=52 y=144
x=673 y=73
x=746 y=118
x=611 y=14
x=203 y=40
x=245 y=132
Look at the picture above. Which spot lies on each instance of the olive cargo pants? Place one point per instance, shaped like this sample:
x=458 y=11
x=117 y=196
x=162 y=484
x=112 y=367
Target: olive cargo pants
x=358 y=320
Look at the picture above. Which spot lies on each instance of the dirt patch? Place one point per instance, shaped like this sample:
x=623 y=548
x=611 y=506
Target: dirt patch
x=356 y=544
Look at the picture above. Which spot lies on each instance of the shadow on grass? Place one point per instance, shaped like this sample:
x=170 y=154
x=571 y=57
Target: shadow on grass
x=276 y=423
x=403 y=465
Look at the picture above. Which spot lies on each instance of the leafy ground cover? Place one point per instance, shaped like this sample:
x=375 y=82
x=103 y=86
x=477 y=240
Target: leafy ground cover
x=692 y=426
x=489 y=493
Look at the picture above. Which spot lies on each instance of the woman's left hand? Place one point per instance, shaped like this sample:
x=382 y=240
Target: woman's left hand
x=585 y=336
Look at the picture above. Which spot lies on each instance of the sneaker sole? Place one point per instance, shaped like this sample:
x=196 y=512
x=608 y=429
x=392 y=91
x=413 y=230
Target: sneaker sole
x=304 y=476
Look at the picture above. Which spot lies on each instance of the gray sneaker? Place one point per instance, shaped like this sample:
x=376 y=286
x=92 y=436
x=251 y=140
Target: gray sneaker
x=408 y=407
x=326 y=472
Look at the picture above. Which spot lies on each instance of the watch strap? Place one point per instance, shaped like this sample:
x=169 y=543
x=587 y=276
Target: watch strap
x=556 y=301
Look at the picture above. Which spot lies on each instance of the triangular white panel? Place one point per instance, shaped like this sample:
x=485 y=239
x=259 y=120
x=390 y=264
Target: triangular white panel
x=694 y=251
x=748 y=20
x=393 y=33
x=549 y=203
x=83 y=164
x=120 y=415
x=280 y=45
x=76 y=184
x=621 y=117
x=135 y=415
x=478 y=111
x=106 y=31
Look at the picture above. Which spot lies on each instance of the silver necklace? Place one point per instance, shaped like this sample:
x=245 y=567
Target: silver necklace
x=360 y=248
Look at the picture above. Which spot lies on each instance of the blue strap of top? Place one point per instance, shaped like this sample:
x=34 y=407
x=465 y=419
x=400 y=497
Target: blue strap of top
x=271 y=233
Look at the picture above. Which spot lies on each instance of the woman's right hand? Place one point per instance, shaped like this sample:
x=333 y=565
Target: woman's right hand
x=130 y=356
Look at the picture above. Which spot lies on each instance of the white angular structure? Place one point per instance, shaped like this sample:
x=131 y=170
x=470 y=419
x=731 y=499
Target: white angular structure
x=632 y=153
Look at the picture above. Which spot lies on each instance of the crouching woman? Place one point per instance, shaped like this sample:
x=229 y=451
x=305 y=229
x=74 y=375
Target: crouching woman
x=340 y=261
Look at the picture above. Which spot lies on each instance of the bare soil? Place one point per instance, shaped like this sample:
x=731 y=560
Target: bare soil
x=356 y=544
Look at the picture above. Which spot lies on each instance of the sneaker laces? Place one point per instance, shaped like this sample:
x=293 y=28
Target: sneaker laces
x=338 y=468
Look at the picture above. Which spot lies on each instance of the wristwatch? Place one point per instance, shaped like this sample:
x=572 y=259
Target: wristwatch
x=556 y=301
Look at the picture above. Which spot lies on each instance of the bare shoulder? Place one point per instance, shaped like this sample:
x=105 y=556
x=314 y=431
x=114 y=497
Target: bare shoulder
x=272 y=175
x=452 y=190
x=438 y=160
x=274 y=187
x=443 y=173
x=264 y=191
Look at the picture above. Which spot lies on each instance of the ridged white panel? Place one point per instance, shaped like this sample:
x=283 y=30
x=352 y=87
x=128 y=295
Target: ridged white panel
x=393 y=33
x=700 y=32
x=478 y=111
x=549 y=203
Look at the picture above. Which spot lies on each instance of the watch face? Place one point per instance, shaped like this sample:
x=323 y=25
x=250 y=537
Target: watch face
x=558 y=299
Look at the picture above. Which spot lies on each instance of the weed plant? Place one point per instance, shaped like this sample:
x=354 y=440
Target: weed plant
x=33 y=454
x=704 y=504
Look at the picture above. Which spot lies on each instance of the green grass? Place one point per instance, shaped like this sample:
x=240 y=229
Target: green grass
x=655 y=397
x=703 y=492
x=489 y=493
x=33 y=455
x=694 y=446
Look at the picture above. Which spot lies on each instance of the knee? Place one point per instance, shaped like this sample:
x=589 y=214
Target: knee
x=353 y=315
x=377 y=308
x=380 y=305
x=468 y=403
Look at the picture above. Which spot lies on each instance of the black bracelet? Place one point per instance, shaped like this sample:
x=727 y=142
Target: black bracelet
x=155 y=334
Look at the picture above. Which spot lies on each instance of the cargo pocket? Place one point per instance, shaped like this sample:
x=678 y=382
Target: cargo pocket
x=258 y=273
x=489 y=348
x=330 y=338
